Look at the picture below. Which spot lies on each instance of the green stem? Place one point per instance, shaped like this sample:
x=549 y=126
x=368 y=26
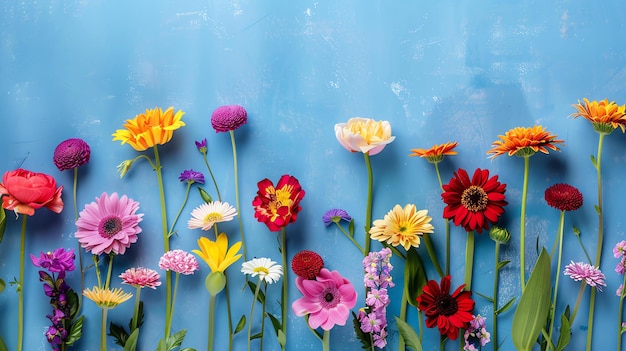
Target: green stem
x=236 y=175
x=96 y=263
x=166 y=240
x=351 y=238
x=20 y=292
x=80 y=249
x=284 y=293
x=420 y=319
x=103 y=330
x=469 y=260
x=592 y=297
x=447 y=223
x=217 y=190
x=180 y=211
x=230 y=318
x=368 y=210
x=495 y=297
x=256 y=295
x=431 y=253
x=326 y=341
x=523 y=224
x=403 y=308
x=135 y=323
x=580 y=242
x=109 y=271
x=578 y=299
x=170 y=310
x=262 y=318
x=211 y=322
x=620 y=316
x=556 y=283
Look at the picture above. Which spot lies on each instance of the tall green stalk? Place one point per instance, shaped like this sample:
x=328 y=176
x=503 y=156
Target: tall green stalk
x=211 y=322
x=256 y=295
x=284 y=293
x=496 y=279
x=469 y=260
x=103 y=330
x=80 y=250
x=20 y=287
x=403 y=308
x=556 y=282
x=236 y=175
x=326 y=341
x=523 y=223
x=447 y=272
x=620 y=315
x=368 y=209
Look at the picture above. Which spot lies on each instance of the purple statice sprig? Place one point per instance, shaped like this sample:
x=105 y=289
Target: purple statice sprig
x=66 y=327
x=371 y=322
x=476 y=336
x=337 y=216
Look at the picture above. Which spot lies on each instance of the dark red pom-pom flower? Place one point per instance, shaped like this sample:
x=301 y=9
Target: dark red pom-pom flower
x=307 y=264
x=228 y=117
x=564 y=197
x=71 y=153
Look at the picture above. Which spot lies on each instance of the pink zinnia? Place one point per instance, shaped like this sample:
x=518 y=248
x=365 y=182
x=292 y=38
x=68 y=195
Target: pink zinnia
x=584 y=271
x=141 y=277
x=179 y=261
x=229 y=117
x=110 y=224
x=327 y=299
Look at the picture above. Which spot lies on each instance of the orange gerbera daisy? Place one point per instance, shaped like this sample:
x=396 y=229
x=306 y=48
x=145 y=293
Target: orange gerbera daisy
x=155 y=127
x=436 y=153
x=524 y=141
x=604 y=115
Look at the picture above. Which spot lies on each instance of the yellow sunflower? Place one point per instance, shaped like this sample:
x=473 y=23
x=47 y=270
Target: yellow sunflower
x=436 y=153
x=155 y=127
x=402 y=226
x=216 y=253
x=524 y=141
x=107 y=298
x=604 y=115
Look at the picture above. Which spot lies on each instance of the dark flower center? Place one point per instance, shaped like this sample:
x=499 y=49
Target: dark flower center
x=446 y=305
x=474 y=198
x=109 y=226
x=331 y=297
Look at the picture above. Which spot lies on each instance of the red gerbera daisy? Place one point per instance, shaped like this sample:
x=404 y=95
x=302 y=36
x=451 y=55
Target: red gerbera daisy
x=474 y=204
x=448 y=312
x=278 y=206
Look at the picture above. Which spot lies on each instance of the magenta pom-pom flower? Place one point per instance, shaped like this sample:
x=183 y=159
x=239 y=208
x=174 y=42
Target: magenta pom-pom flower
x=228 y=117
x=71 y=153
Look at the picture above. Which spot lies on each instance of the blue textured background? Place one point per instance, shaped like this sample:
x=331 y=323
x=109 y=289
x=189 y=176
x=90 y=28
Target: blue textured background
x=438 y=71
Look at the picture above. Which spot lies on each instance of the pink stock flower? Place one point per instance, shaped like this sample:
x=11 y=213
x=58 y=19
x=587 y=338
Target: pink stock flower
x=141 y=277
x=179 y=261
x=110 y=224
x=327 y=299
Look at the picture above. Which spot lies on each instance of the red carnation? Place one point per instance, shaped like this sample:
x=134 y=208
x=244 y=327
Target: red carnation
x=564 y=197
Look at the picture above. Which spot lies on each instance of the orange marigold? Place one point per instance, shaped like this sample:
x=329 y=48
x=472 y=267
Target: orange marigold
x=604 y=115
x=524 y=141
x=437 y=152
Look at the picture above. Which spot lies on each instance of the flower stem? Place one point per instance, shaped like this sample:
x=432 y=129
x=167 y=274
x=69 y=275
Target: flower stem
x=103 y=330
x=592 y=297
x=20 y=291
x=262 y=318
x=556 y=282
x=403 y=308
x=96 y=263
x=620 y=316
x=135 y=323
x=230 y=318
x=469 y=260
x=431 y=252
x=109 y=271
x=351 y=238
x=284 y=293
x=211 y=322
x=80 y=250
x=523 y=223
x=578 y=299
x=170 y=310
x=217 y=189
x=166 y=240
x=447 y=223
x=368 y=210
x=256 y=295
x=171 y=231
x=236 y=175
x=496 y=279
x=326 y=341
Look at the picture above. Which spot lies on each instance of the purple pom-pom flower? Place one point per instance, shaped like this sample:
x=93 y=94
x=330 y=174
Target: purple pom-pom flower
x=71 y=153
x=228 y=117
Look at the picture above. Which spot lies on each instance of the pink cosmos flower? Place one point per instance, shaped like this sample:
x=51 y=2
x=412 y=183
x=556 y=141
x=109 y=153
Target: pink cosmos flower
x=141 y=277
x=327 y=299
x=584 y=271
x=110 y=224
x=179 y=261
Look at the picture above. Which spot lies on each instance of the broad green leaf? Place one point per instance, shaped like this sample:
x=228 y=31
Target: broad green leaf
x=176 y=339
x=241 y=324
x=76 y=331
x=3 y=346
x=204 y=195
x=256 y=336
x=118 y=333
x=501 y=264
x=282 y=338
x=131 y=342
x=506 y=306
x=3 y=222
x=414 y=276
x=275 y=323
x=365 y=338
x=72 y=300
x=534 y=306
x=411 y=340
x=564 y=331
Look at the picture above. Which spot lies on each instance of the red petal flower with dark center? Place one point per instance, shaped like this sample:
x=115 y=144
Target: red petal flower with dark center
x=448 y=312
x=278 y=206
x=475 y=203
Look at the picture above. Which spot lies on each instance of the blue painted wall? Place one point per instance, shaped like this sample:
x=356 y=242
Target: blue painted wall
x=438 y=71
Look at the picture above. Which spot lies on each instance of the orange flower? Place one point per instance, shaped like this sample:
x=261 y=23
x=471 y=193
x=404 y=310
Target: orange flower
x=436 y=153
x=524 y=141
x=155 y=127
x=604 y=114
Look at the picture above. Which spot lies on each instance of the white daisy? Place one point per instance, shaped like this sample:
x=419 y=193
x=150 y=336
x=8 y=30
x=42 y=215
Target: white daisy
x=207 y=214
x=266 y=269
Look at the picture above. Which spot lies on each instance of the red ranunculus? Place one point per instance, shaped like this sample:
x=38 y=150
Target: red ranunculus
x=24 y=191
x=278 y=206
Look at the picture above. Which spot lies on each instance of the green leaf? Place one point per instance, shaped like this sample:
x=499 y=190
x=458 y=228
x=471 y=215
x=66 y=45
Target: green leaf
x=131 y=343
x=3 y=222
x=75 y=332
x=139 y=318
x=534 y=305
x=598 y=210
x=275 y=323
x=483 y=296
x=502 y=264
x=593 y=160
x=564 y=331
x=409 y=335
x=506 y=306
x=204 y=195
x=118 y=333
x=414 y=276
x=176 y=339
x=260 y=296
x=241 y=324
x=72 y=300
x=282 y=338
x=3 y=285
x=256 y=336
x=188 y=349
x=3 y=346
x=351 y=228
x=365 y=338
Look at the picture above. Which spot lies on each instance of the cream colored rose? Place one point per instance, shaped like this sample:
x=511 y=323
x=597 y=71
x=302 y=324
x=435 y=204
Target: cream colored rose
x=364 y=135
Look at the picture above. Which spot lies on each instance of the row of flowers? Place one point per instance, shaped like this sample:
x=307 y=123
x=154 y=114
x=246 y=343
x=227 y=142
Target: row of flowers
x=110 y=225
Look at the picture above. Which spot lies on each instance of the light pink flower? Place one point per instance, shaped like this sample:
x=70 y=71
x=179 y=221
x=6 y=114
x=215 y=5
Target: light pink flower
x=327 y=299
x=584 y=271
x=110 y=224
x=179 y=261
x=141 y=277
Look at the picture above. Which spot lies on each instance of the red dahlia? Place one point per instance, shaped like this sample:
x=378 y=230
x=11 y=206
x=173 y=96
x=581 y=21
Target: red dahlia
x=564 y=197
x=448 y=312
x=474 y=203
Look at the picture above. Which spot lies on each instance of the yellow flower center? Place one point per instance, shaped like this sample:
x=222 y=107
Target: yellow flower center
x=261 y=270
x=213 y=217
x=474 y=198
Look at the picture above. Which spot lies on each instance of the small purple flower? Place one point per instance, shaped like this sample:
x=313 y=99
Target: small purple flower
x=476 y=336
x=71 y=153
x=335 y=216
x=377 y=298
x=190 y=176
x=370 y=323
x=179 y=261
x=619 y=249
x=201 y=145
x=57 y=261
x=228 y=117
x=620 y=290
x=584 y=271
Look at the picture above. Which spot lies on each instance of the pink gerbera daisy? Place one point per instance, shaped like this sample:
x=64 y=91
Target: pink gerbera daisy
x=141 y=277
x=110 y=224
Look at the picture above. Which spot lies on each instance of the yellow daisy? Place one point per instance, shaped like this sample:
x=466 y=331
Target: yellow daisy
x=107 y=298
x=216 y=253
x=155 y=127
x=402 y=226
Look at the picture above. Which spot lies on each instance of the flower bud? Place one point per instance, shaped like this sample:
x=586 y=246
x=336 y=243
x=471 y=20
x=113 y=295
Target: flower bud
x=215 y=283
x=500 y=235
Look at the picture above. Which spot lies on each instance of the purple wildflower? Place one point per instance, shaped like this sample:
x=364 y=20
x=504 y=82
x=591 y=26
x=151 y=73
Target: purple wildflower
x=201 y=145
x=335 y=216
x=228 y=117
x=71 y=153
x=584 y=271
x=620 y=290
x=377 y=279
x=190 y=176
x=619 y=249
x=476 y=336
x=57 y=261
